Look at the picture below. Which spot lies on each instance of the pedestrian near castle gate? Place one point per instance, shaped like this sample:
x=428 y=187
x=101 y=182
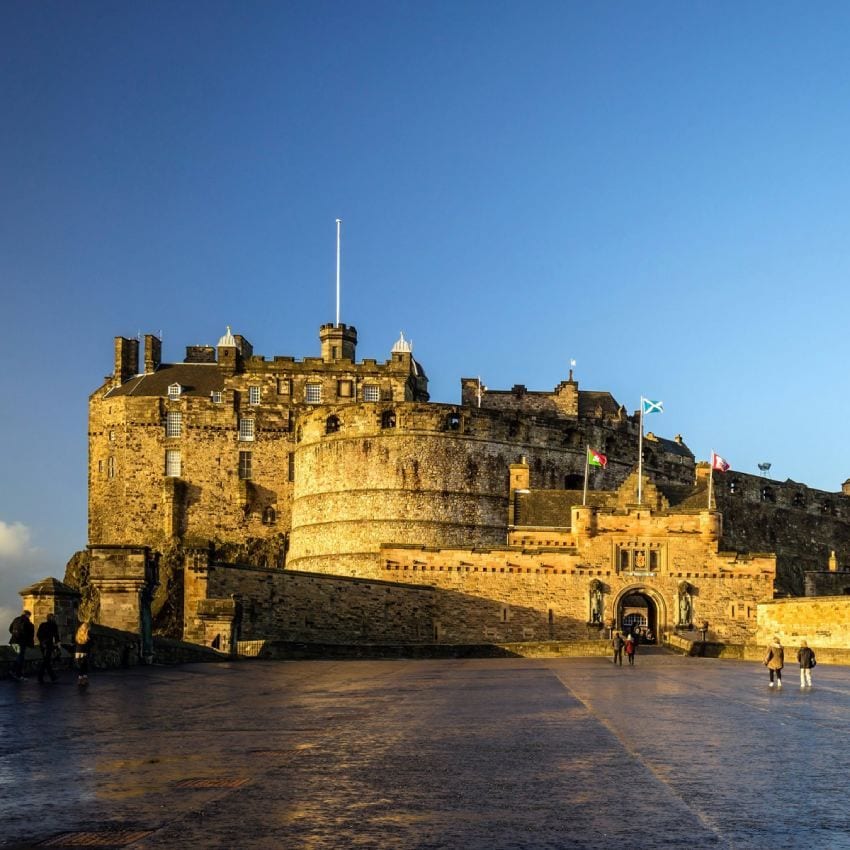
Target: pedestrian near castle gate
x=774 y=660
x=21 y=633
x=807 y=660
x=617 y=643
x=631 y=648
x=48 y=641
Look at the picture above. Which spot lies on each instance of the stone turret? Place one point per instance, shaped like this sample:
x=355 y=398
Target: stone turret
x=339 y=342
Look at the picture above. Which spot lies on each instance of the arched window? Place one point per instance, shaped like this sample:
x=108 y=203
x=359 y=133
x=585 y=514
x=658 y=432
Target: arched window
x=269 y=516
x=388 y=419
x=332 y=424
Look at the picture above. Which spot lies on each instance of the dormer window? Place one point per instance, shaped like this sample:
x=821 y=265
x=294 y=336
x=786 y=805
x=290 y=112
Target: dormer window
x=174 y=391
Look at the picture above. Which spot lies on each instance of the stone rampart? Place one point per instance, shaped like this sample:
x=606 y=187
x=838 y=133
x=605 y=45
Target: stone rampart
x=824 y=622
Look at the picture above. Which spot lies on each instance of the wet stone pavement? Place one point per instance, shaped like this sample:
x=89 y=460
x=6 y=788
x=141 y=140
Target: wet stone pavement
x=476 y=754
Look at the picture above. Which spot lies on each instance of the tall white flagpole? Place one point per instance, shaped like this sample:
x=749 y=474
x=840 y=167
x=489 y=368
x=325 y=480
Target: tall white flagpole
x=640 y=456
x=586 y=469
x=338 y=223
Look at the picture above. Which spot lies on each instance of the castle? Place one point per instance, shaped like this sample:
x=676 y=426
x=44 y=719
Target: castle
x=237 y=497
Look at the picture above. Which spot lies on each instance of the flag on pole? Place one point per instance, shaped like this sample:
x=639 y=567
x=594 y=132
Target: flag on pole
x=595 y=458
x=719 y=463
x=648 y=406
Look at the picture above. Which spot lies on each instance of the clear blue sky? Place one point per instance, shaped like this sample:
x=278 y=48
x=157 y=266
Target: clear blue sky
x=658 y=190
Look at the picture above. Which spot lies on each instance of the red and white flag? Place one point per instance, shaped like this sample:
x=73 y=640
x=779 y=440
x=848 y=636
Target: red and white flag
x=718 y=463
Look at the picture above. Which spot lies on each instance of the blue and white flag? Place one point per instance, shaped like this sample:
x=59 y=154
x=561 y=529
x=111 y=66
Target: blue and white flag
x=648 y=406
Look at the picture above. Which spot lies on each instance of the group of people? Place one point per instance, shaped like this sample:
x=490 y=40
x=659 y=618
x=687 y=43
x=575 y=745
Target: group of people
x=774 y=660
x=627 y=644
x=23 y=636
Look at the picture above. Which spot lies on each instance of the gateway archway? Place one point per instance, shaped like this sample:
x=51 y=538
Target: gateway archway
x=638 y=609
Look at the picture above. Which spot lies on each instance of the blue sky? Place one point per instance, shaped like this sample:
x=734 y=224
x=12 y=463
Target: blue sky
x=657 y=190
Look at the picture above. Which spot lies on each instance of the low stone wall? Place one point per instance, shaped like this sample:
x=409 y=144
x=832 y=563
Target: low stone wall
x=822 y=621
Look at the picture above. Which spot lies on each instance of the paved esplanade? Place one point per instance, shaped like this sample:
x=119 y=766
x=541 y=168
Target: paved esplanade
x=502 y=753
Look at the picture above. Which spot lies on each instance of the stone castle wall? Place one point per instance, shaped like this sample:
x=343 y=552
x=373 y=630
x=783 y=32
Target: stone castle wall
x=289 y=605
x=822 y=622
x=800 y=524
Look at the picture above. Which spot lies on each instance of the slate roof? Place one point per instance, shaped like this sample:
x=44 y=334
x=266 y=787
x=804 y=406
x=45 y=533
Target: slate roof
x=196 y=379
x=589 y=400
x=551 y=508
x=49 y=586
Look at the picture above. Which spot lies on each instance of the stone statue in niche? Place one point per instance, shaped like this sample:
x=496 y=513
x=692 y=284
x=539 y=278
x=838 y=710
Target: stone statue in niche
x=685 y=604
x=596 y=601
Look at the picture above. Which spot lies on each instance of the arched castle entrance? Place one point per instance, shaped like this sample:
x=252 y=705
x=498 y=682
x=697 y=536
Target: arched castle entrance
x=640 y=607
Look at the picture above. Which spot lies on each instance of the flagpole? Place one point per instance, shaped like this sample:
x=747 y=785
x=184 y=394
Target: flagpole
x=640 y=456
x=586 y=469
x=338 y=223
x=710 y=478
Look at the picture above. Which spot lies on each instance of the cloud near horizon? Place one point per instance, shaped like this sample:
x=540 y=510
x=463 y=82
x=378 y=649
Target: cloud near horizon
x=14 y=540
x=21 y=564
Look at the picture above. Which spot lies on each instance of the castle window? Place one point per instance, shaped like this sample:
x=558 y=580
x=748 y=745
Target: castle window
x=246 y=430
x=174 y=391
x=314 y=394
x=344 y=389
x=767 y=495
x=371 y=392
x=173 y=423
x=110 y=467
x=799 y=500
x=216 y=396
x=244 y=466
x=284 y=386
x=253 y=395
x=332 y=425
x=172 y=463
x=388 y=419
x=269 y=516
x=453 y=421
x=292 y=466
x=733 y=485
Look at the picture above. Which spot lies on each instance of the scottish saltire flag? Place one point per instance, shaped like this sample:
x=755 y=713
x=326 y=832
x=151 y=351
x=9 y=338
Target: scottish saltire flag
x=718 y=463
x=595 y=458
x=648 y=406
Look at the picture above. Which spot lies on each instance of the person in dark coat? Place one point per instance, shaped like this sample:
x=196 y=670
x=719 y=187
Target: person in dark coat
x=22 y=634
x=617 y=644
x=48 y=642
x=806 y=659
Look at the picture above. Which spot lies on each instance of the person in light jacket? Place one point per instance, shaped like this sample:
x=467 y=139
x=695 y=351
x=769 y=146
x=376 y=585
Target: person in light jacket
x=774 y=660
x=806 y=659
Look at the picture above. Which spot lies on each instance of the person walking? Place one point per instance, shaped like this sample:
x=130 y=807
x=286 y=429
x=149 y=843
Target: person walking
x=631 y=648
x=774 y=660
x=82 y=649
x=48 y=642
x=807 y=660
x=617 y=644
x=21 y=633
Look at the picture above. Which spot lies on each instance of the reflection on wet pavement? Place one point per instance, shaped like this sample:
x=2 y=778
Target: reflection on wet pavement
x=490 y=753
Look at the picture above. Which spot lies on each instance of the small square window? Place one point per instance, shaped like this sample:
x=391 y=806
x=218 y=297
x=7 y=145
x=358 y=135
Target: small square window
x=172 y=463
x=314 y=394
x=174 y=391
x=371 y=392
x=244 y=465
x=253 y=395
x=173 y=423
x=216 y=396
x=246 y=429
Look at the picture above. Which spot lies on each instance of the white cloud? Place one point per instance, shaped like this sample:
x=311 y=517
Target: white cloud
x=14 y=540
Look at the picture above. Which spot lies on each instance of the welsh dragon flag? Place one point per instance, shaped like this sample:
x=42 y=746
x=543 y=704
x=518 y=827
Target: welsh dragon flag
x=595 y=458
